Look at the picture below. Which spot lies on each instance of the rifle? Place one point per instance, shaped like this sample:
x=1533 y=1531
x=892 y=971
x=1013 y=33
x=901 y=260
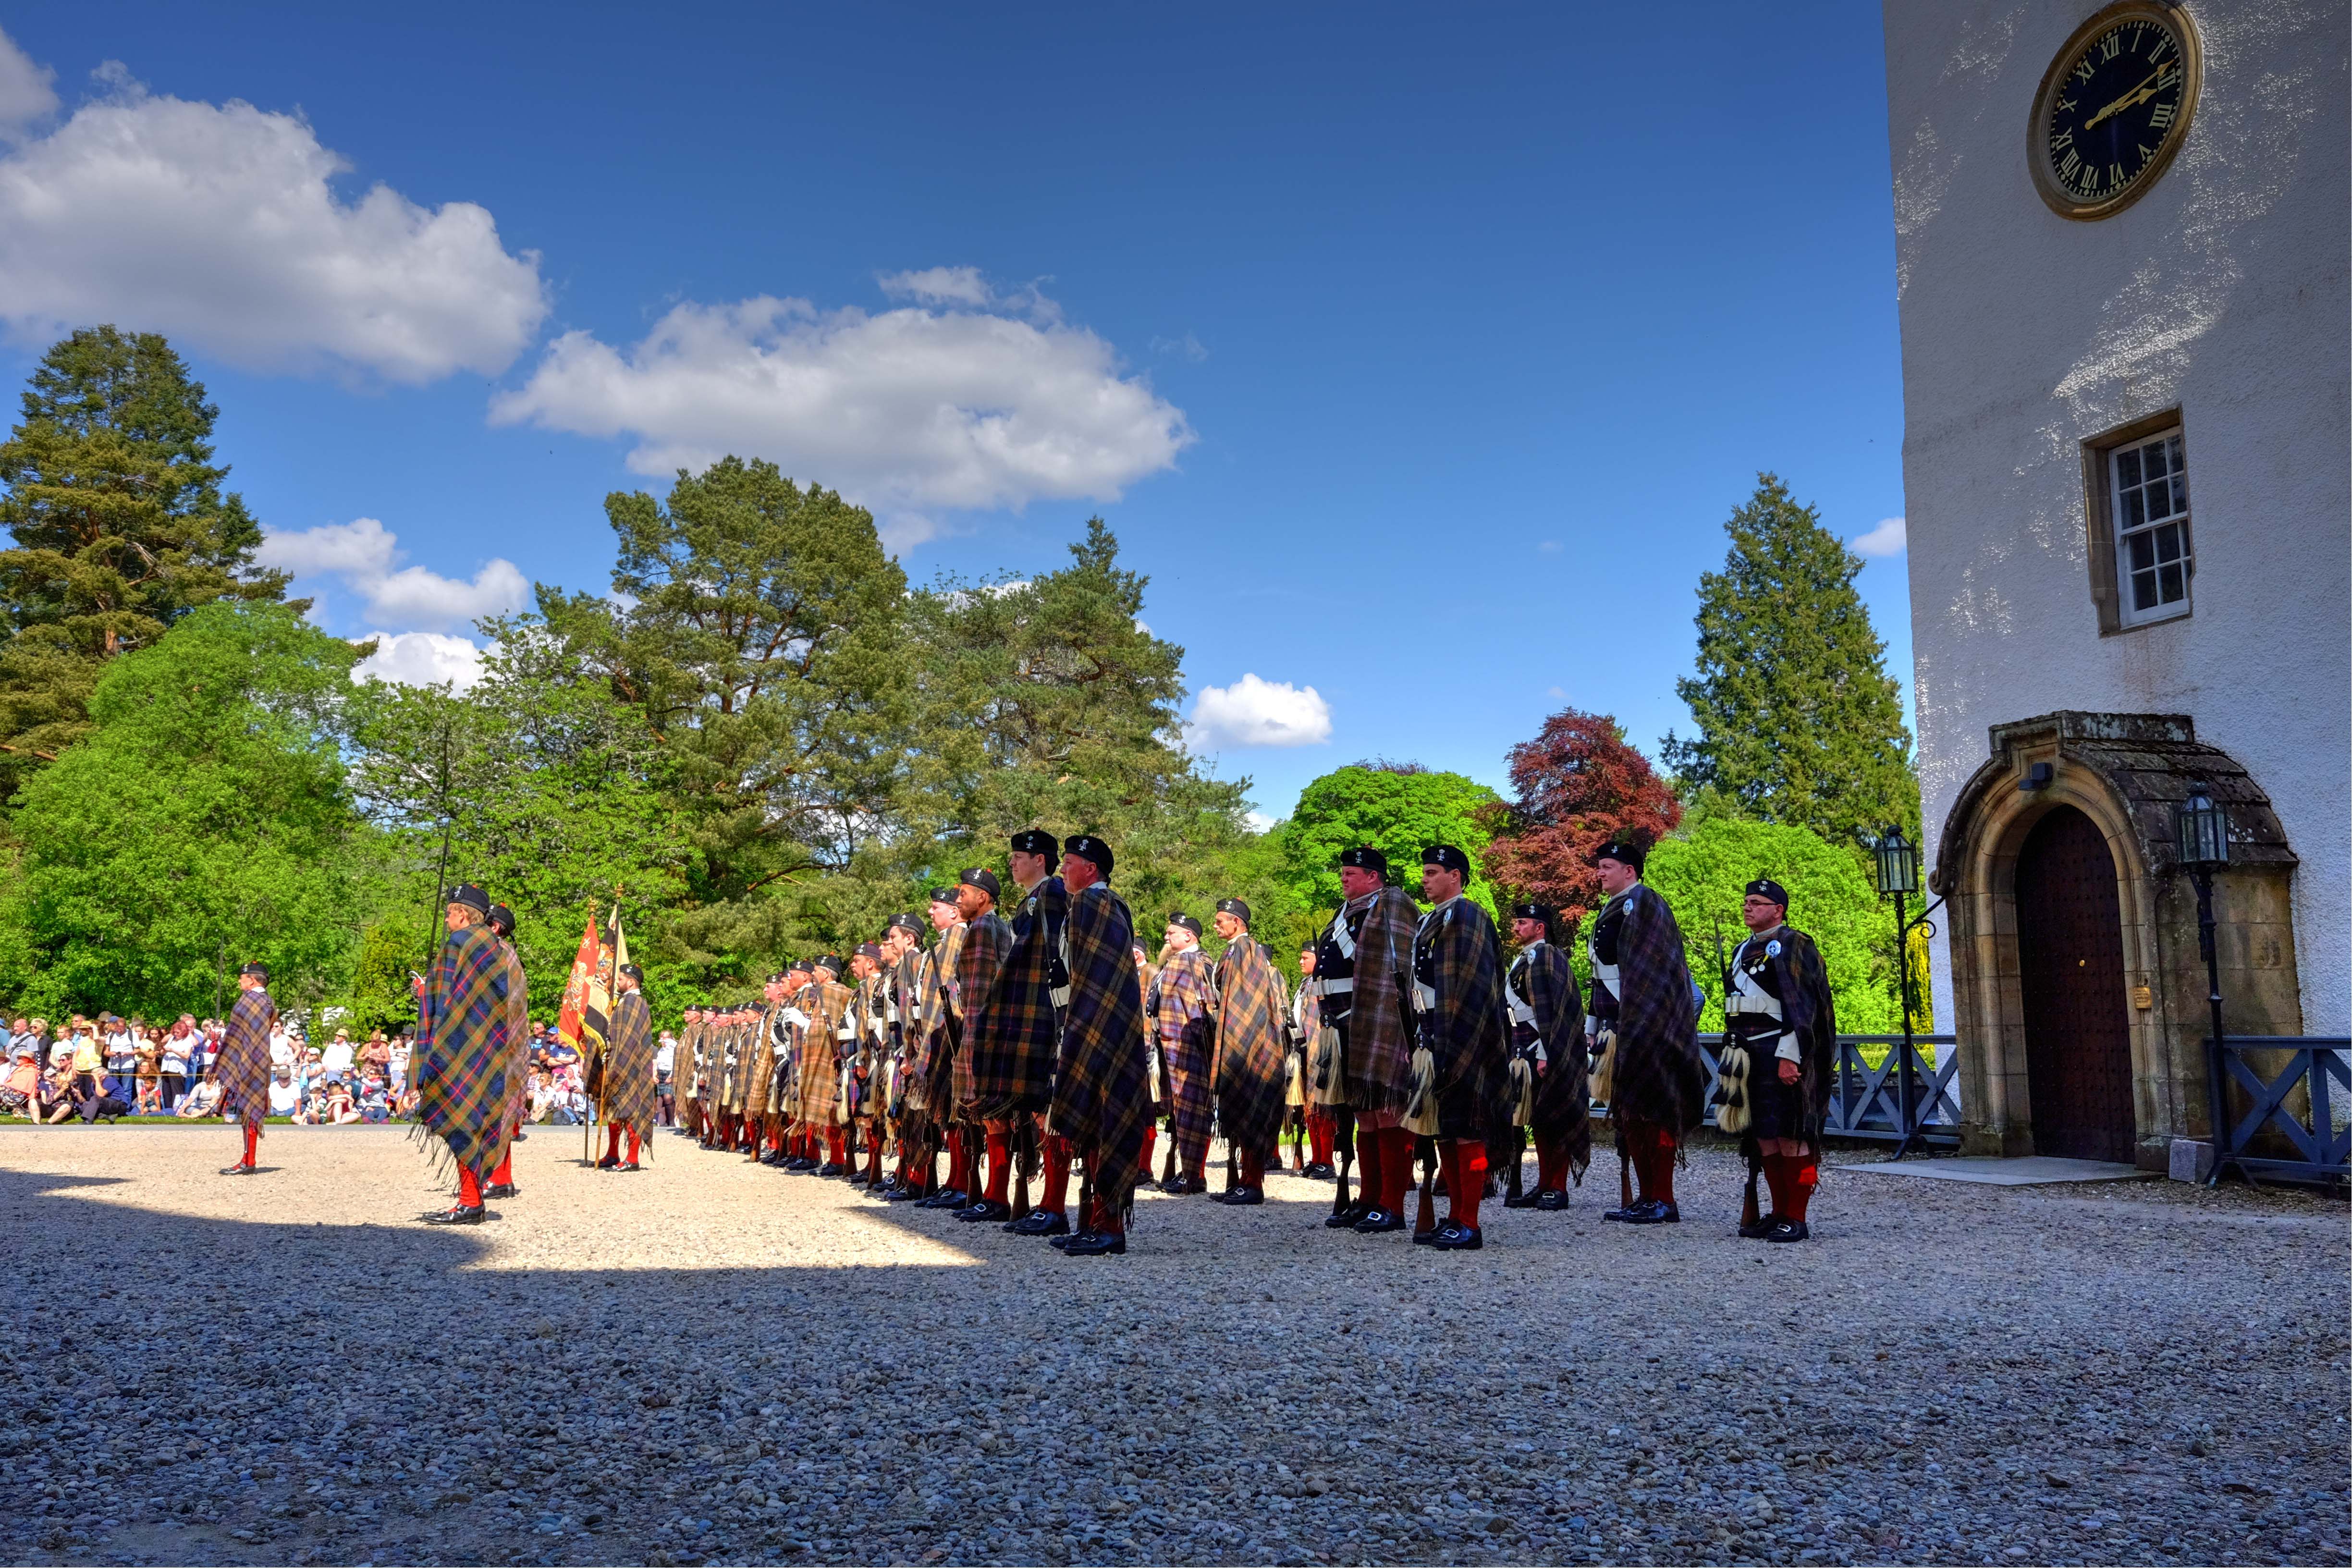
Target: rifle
x=1025 y=1164
x=1425 y=1150
x=1086 y=1194
x=1519 y=1156
x=1748 y=1213
x=1343 y=1148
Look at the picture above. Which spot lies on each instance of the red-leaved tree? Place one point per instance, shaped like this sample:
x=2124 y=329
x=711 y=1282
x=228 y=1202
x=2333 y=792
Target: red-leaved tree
x=1579 y=785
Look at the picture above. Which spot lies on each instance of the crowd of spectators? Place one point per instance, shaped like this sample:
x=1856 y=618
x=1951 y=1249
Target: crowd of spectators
x=109 y=1067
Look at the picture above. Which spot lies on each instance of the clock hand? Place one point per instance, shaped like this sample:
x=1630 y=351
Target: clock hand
x=2140 y=94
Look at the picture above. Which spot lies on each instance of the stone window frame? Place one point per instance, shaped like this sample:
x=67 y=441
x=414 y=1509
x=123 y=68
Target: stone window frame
x=2099 y=519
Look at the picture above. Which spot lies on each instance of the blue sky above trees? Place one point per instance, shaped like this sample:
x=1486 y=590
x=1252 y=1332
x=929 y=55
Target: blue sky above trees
x=1417 y=357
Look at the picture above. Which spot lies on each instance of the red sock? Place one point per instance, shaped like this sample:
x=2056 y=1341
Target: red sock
x=504 y=1175
x=1396 y=1166
x=252 y=1141
x=1106 y=1221
x=1056 y=1196
x=1804 y=1175
x=634 y=1144
x=612 y=1142
x=1551 y=1166
x=469 y=1188
x=1470 y=1180
x=1449 y=1176
x=1319 y=1137
x=1000 y=1166
x=1661 y=1173
x=955 y=1164
x=841 y=1145
x=1776 y=1180
x=1150 y=1138
x=1373 y=1190
x=1252 y=1169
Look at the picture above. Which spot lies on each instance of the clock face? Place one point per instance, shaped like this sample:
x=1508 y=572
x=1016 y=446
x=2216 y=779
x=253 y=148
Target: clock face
x=2114 y=108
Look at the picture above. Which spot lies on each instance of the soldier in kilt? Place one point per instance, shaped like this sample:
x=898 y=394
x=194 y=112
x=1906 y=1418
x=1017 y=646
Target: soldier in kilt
x=760 y=1075
x=628 y=1099
x=1548 y=1036
x=1360 y=964
x=979 y=962
x=242 y=1068
x=911 y=983
x=786 y=1023
x=867 y=1061
x=1101 y=1082
x=930 y=1051
x=1313 y=1115
x=832 y=1047
x=1249 y=1072
x=503 y=926
x=1779 y=1015
x=462 y=1040
x=1457 y=967
x=1642 y=1028
x=1016 y=1039
x=1180 y=1019
x=686 y=1072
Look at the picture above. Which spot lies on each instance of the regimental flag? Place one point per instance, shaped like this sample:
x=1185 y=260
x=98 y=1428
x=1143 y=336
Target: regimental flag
x=588 y=992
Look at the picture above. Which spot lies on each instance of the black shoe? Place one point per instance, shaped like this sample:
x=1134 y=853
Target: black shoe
x=628 y=1165
x=800 y=1164
x=1454 y=1236
x=1242 y=1198
x=1095 y=1245
x=502 y=1190
x=1525 y=1200
x=1429 y=1238
x=461 y=1215
x=902 y=1195
x=238 y=1170
x=1379 y=1222
x=1040 y=1222
x=522 y=1137
x=1653 y=1211
x=1062 y=1243
x=608 y=1162
x=1550 y=1202
x=983 y=1212
x=1320 y=1173
x=1173 y=1186
x=1347 y=1218
x=1760 y=1229
x=1787 y=1230
x=945 y=1199
x=1635 y=1206
x=829 y=1169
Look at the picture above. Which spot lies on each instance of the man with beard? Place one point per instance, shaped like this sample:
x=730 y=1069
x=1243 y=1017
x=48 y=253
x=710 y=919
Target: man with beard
x=1180 y=1017
x=1547 y=1034
x=1018 y=1034
x=503 y=926
x=1458 y=1007
x=1101 y=1088
x=1643 y=1027
x=1252 y=1055
x=1781 y=1017
x=1363 y=1067
x=980 y=960
x=241 y=1070
x=627 y=1100
x=461 y=1076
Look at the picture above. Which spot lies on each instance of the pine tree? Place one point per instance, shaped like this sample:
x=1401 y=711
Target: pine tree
x=121 y=528
x=1798 y=720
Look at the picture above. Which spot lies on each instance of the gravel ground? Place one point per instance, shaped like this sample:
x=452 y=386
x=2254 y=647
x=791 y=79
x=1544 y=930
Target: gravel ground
x=715 y=1361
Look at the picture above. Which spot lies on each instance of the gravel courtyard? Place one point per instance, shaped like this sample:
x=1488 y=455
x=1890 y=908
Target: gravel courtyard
x=715 y=1361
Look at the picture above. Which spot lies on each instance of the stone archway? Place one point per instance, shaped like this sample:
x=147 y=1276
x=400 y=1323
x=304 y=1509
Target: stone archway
x=2123 y=772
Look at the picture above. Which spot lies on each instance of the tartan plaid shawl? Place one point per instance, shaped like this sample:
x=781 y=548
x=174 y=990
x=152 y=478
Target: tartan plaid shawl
x=1379 y=1063
x=760 y=1069
x=518 y=1035
x=629 y=1064
x=462 y=1085
x=730 y=1068
x=1805 y=1007
x=688 y=1063
x=1102 y=1090
x=1658 y=1075
x=1253 y=1063
x=784 y=1088
x=930 y=1046
x=824 y=1053
x=1564 y=1101
x=1186 y=990
x=986 y=942
x=1467 y=1031
x=1016 y=1038
x=242 y=1068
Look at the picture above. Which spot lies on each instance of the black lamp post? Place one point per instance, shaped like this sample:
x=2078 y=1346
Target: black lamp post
x=1895 y=866
x=2200 y=839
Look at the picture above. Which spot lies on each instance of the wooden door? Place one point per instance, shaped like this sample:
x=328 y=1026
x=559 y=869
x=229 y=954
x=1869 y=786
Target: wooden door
x=2070 y=957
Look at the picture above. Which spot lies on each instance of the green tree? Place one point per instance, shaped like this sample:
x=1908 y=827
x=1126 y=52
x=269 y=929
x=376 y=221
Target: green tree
x=1704 y=874
x=1798 y=720
x=1043 y=702
x=380 y=994
x=756 y=628
x=1398 y=809
x=205 y=822
x=119 y=525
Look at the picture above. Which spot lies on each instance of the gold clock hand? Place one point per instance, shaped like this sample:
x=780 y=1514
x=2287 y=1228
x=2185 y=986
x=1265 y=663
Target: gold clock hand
x=2140 y=94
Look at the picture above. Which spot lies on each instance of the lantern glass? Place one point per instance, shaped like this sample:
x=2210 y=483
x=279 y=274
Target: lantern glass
x=2200 y=830
x=1897 y=862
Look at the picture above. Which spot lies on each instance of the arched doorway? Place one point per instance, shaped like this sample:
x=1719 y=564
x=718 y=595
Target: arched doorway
x=2070 y=959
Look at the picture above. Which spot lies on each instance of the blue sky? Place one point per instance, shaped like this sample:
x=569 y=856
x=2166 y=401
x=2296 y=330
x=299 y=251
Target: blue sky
x=1417 y=357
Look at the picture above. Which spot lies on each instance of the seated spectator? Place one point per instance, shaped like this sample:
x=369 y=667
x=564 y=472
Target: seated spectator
x=102 y=1096
x=375 y=1057
x=20 y=1088
x=341 y=1109
x=340 y=1058
x=200 y=1101
x=540 y=1098
x=284 y=1098
x=150 y=1073
x=54 y=1100
x=397 y=1060
x=375 y=1099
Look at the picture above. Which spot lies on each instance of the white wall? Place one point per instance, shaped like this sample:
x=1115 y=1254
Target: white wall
x=2224 y=290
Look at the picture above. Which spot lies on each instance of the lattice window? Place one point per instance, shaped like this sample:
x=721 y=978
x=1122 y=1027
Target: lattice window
x=2149 y=487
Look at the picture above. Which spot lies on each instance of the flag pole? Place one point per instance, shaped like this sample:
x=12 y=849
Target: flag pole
x=587 y=1122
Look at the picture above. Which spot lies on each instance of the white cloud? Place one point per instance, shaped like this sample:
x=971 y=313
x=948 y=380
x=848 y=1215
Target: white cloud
x=218 y=225
x=366 y=556
x=1255 y=712
x=1885 y=539
x=905 y=411
x=421 y=659
x=938 y=286
x=1188 y=347
x=25 y=93
x=1259 y=821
